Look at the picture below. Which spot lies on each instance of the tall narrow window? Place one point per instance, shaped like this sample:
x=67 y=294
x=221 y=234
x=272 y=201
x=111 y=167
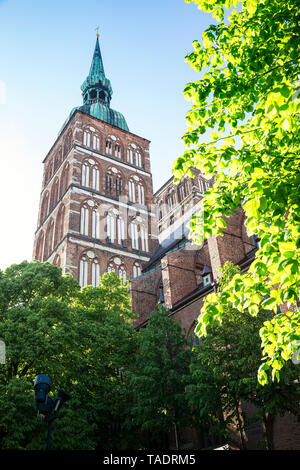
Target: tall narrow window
x=120 y=230
x=96 y=142
x=86 y=139
x=134 y=236
x=117 y=151
x=83 y=272
x=131 y=190
x=130 y=156
x=85 y=175
x=110 y=268
x=95 y=224
x=95 y=178
x=137 y=270
x=108 y=147
x=110 y=220
x=109 y=184
x=141 y=194
x=144 y=238
x=95 y=273
x=118 y=185
x=84 y=221
x=138 y=159
x=122 y=274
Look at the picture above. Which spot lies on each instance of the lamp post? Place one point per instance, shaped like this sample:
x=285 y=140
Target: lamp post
x=47 y=408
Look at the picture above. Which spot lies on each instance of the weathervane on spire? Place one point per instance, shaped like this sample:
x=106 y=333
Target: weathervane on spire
x=97 y=29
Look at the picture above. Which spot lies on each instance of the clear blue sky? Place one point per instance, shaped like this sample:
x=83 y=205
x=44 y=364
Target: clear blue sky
x=46 y=51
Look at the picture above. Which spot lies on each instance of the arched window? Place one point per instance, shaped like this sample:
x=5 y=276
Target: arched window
x=44 y=207
x=110 y=224
x=95 y=178
x=83 y=271
x=48 y=172
x=118 y=151
x=116 y=266
x=113 y=182
x=130 y=155
x=134 y=235
x=95 y=223
x=111 y=268
x=85 y=174
x=137 y=271
x=67 y=143
x=84 y=220
x=131 y=191
x=141 y=194
x=122 y=274
x=95 y=273
x=144 y=238
x=64 y=180
x=120 y=230
x=160 y=210
x=39 y=247
x=86 y=139
x=48 y=240
x=181 y=192
x=59 y=225
x=96 y=142
x=119 y=185
x=171 y=200
x=108 y=147
x=138 y=159
x=54 y=194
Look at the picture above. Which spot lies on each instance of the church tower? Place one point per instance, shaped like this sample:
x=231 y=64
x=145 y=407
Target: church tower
x=96 y=202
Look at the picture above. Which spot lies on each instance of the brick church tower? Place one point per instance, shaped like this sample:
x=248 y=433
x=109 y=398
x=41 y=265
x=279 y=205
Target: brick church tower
x=96 y=202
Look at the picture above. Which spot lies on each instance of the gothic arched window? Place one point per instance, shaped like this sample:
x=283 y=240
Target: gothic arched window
x=120 y=230
x=85 y=174
x=110 y=226
x=108 y=147
x=95 y=178
x=48 y=240
x=84 y=220
x=83 y=271
x=39 y=247
x=134 y=235
x=130 y=155
x=95 y=273
x=137 y=270
x=64 y=180
x=44 y=207
x=96 y=142
x=59 y=225
x=54 y=194
x=141 y=194
x=86 y=139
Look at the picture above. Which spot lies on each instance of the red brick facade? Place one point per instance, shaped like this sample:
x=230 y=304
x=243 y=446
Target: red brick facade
x=85 y=189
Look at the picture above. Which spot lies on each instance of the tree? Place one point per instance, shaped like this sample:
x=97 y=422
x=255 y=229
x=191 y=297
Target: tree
x=248 y=95
x=80 y=338
x=158 y=378
x=225 y=372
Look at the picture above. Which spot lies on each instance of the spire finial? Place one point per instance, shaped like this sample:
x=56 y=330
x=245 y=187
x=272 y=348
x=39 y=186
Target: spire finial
x=97 y=29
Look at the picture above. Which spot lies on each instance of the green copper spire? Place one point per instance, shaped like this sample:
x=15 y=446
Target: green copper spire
x=97 y=93
x=96 y=87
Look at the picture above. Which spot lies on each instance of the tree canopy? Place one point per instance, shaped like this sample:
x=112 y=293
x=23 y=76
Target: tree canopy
x=248 y=97
x=82 y=339
x=224 y=373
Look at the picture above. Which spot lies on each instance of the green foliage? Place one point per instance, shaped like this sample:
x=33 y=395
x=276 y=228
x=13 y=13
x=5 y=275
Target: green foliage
x=248 y=96
x=225 y=367
x=159 y=375
x=81 y=338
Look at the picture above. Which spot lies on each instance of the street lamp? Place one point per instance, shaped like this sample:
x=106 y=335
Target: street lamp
x=47 y=408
